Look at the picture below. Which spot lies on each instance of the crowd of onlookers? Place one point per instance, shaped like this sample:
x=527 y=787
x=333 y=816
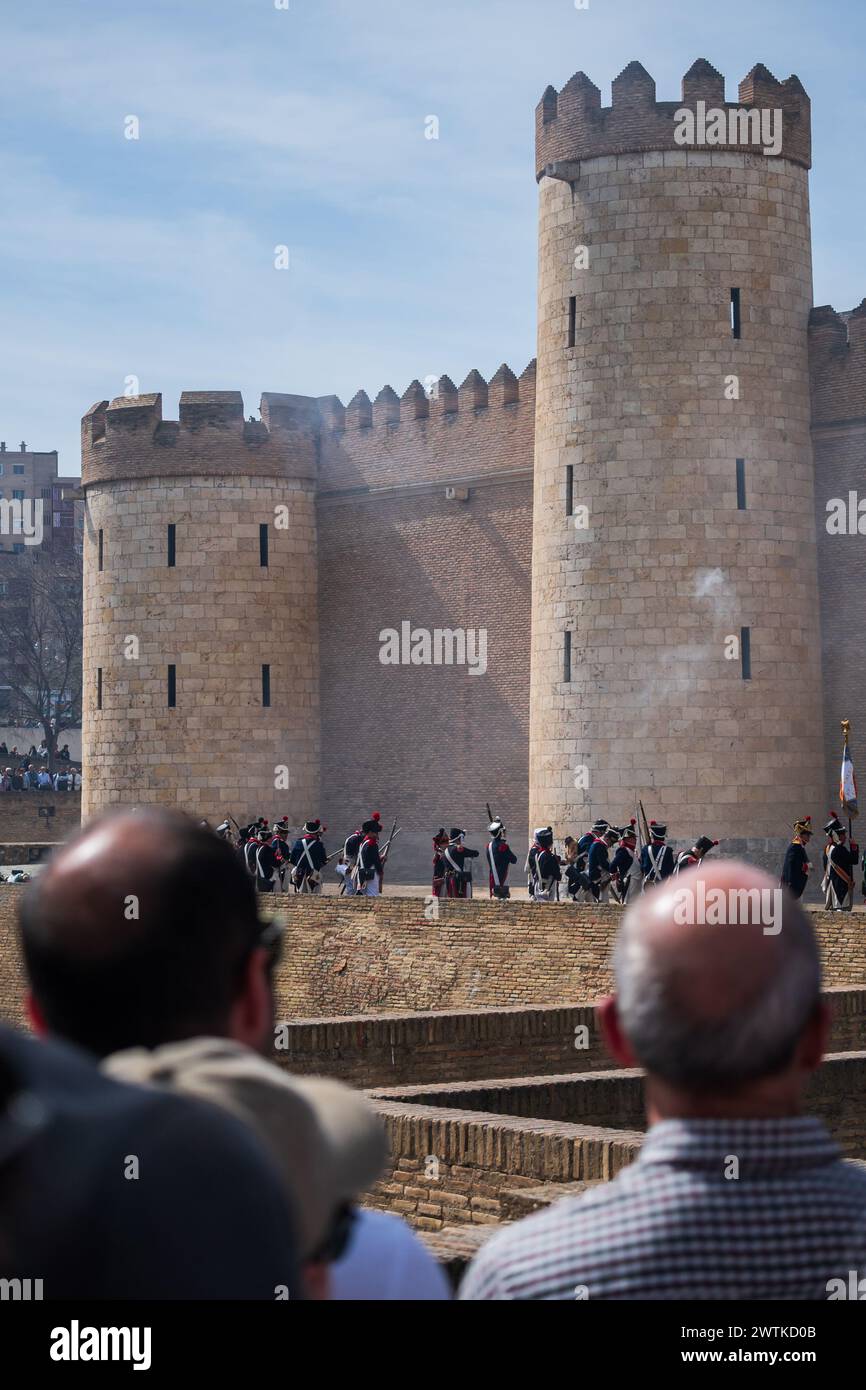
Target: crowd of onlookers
x=29 y=772
x=194 y=1166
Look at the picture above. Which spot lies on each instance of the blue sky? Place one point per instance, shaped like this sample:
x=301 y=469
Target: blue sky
x=305 y=127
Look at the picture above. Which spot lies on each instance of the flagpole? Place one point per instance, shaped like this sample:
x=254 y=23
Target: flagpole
x=846 y=729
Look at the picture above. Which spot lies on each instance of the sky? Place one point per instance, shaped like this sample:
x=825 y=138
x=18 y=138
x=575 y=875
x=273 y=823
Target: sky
x=304 y=127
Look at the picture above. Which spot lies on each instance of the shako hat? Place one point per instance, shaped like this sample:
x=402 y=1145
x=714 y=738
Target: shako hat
x=834 y=826
x=496 y=829
x=658 y=830
x=313 y=827
x=441 y=836
x=457 y=833
x=804 y=826
x=704 y=843
x=544 y=835
x=372 y=826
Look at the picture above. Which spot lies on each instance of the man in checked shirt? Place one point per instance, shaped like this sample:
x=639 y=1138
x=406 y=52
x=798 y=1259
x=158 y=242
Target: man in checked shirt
x=736 y=1192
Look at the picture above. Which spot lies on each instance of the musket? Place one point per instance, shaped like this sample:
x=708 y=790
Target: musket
x=489 y=813
x=394 y=832
x=645 y=823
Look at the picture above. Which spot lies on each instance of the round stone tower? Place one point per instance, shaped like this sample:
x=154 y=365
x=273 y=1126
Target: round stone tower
x=201 y=654
x=675 y=644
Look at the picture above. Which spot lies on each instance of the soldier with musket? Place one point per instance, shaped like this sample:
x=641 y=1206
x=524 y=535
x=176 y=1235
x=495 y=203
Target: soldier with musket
x=621 y=864
x=840 y=861
x=369 y=866
x=308 y=857
x=440 y=844
x=543 y=867
x=657 y=858
x=499 y=859
x=458 y=879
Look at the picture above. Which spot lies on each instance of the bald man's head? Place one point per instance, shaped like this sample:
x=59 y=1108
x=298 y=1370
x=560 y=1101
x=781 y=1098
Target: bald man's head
x=137 y=932
x=717 y=976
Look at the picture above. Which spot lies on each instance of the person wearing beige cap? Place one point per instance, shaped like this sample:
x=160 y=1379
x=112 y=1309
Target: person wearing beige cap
x=329 y=1145
x=327 y=1140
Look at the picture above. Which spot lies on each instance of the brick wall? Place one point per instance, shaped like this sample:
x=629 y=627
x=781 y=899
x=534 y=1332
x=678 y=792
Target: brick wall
x=430 y=743
x=20 y=823
x=614 y=1099
x=366 y=956
x=419 y=1048
x=452 y=1166
x=479 y=1158
x=837 y=361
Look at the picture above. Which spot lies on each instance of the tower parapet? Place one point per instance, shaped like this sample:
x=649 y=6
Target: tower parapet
x=572 y=125
x=837 y=363
x=201 y=644
x=674 y=587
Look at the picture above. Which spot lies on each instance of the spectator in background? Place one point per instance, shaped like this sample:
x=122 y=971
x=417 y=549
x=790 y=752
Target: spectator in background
x=201 y=1215
x=736 y=1192
x=44 y=779
x=191 y=960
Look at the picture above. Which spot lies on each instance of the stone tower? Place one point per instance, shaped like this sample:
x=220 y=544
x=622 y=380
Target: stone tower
x=675 y=647
x=201 y=650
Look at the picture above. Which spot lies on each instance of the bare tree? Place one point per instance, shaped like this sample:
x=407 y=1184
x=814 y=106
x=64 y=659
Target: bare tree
x=42 y=635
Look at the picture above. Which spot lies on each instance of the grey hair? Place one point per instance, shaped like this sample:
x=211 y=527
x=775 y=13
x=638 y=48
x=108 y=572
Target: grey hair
x=756 y=1040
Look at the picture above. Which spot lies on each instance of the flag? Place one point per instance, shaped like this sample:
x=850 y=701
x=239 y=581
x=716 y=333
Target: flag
x=848 y=784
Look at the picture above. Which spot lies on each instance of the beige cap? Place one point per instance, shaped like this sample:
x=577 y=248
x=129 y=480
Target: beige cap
x=326 y=1139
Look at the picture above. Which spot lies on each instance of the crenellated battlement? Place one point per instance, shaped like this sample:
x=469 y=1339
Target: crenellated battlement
x=837 y=364
x=443 y=398
x=128 y=437
x=572 y=125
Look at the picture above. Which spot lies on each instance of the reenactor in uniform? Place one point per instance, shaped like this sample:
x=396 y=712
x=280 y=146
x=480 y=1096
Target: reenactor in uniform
x=795 y=870
x=367 y=873
x=440 y=844
x=657 y=858
x=266 y=864
x=543 y=867
x=458 y=879
x=689 y=857
x=573 y=873
x=282 y=850
x=349 y=859
x=598 y=871
x=840 y=861
x=249 y=847
x=621 y=864
x=585 y=841
x=499 y=858
x=308 y=857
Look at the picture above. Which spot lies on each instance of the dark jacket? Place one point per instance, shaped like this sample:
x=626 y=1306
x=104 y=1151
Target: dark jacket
x=206 y=1218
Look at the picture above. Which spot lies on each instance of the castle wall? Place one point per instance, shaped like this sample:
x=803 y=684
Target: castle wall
x=545 y=1040
x=217 y=615
x=837 y=359
x=669 y=568
x=346 y=957
x=430 y=743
